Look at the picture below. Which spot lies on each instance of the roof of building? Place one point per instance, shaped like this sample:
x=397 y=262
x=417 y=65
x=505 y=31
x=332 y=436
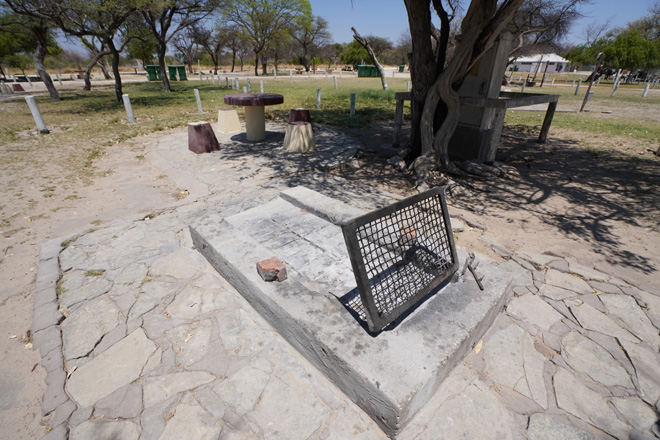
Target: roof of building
x=543 y=57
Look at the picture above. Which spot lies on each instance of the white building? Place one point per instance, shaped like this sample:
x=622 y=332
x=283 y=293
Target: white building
x=538 y=63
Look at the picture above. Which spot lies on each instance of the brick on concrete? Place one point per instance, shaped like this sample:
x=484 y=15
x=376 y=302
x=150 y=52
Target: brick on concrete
x=272 y=269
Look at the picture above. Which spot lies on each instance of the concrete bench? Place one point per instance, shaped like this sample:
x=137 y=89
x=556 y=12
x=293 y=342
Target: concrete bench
x=299 y=138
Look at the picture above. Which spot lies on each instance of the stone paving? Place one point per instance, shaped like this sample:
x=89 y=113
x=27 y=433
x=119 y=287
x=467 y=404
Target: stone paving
x=142 y=339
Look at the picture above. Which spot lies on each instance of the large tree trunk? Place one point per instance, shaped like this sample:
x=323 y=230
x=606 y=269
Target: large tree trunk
x=38 y=58
x=161 y=48
x=422 y=67
x=482 y=24
x=367 y=46
x=97 y=57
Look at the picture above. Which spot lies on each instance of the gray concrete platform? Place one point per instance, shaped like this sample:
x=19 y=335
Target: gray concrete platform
x=392 y=375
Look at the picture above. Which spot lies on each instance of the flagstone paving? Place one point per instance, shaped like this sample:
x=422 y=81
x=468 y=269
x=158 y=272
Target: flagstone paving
x=142 y=339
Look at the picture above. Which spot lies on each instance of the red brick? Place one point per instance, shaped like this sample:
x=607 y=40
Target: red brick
x=272 y=269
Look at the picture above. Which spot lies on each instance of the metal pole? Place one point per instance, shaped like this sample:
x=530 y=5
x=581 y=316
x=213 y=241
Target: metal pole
x=36 y=114
x=129 y=109
x=199 y=101
x=318 y=98
x=352 y=112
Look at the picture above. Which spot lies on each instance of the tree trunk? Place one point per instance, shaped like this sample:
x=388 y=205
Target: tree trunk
x=367 y=46
x=38 y=58
x=256 y=63
x=160 y=48
x=115 y=70
x=97 y=57
x=422 y=67
x=233 y=60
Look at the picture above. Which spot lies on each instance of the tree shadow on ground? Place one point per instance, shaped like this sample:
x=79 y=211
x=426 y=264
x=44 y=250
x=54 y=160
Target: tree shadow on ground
x=583 y=192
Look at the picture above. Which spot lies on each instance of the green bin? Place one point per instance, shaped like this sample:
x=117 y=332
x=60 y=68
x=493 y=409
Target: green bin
x=402 y=68
x=153 y=72
x=173 y=70
x=365 y=71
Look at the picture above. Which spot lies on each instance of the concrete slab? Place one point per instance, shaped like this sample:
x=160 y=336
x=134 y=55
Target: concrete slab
x=390 y=375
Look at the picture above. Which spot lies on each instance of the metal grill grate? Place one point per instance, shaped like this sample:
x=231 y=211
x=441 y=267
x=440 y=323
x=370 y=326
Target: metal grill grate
x=399 y=254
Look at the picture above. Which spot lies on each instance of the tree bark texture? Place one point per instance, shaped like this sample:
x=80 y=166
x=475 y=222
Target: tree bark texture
x=367 y=46
x=38 y=58
x=95 y=59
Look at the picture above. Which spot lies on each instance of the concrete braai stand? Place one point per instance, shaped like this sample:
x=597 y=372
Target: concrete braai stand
x=255 y=121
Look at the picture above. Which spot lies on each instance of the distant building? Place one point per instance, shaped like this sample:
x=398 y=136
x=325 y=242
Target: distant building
x=538 y=63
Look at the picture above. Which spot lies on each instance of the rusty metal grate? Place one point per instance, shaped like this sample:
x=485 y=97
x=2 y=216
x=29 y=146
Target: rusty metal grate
x=399 y=254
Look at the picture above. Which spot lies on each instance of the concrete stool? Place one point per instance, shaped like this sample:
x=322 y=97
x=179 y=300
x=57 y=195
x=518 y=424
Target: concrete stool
x=300 y=114
x=201 y=138
x=299 y=138
x=228 y=121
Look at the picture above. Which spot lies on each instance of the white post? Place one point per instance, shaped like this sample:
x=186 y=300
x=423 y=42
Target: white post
x=244 y=89
x=352 y=112
x=407 y=86
x=308 y=74
x=616 y=79
x=598 y=82
x=36 y=114
x=340 y=73
x=129 y=109
x=318 y=98
x=274 y=73
x=226 y=82
x=394 y=73
x=249 y=86
x=28 y=79
x=616 y=87
x=290 y=73
x=334 y=77
x=646 y=90
x=238 y=84
x=261 y=84
x=199 y=101
x=326 y=73
x=207 y=78
x=553 y=81
x=57 y=75
x=577 y=89
x=199 y=69
x=522 y=89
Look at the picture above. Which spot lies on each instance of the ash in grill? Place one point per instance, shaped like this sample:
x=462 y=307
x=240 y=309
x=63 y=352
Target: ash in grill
x=399 y=254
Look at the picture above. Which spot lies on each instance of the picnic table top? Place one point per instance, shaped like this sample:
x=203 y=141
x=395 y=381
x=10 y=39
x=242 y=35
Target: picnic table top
x=254 y=99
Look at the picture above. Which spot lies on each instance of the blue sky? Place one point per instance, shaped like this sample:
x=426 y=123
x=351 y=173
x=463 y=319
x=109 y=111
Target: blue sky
x=388 y=18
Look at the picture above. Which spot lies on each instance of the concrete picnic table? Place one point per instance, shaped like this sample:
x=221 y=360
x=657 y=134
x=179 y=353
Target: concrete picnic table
x=255 y=120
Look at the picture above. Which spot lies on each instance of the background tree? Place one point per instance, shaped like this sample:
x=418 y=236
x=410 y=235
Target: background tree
x=403 y=48
x=34 y=35
x=186 y=44
x=262 y=21
x=354 y=53
x=212 y=41
x=97 y=52
x=165 y=19
x=541 y=24
x=311 y=35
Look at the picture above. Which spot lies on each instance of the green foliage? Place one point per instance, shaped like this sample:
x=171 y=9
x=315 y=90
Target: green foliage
x=630 y=51
x=354 y=53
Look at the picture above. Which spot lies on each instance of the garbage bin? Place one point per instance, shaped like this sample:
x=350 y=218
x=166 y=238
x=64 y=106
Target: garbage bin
x=402 y=68
x=365 y=71
x=173 y=71
x=153 y=72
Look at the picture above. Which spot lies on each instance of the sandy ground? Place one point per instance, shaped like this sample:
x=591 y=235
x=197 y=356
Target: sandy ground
x=596 y=205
